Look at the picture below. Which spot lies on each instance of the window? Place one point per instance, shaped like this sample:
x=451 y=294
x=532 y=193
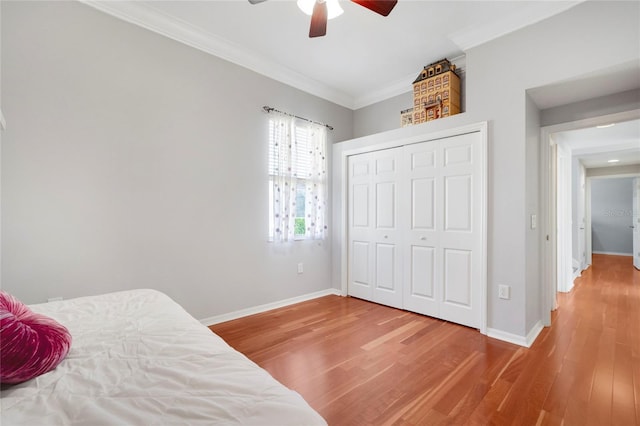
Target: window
x=297 y=179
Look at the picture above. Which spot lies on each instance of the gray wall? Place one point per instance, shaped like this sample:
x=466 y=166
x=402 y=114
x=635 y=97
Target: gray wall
x=590 y=37
x=131 y=160
x=604 y=105
x=381 y=116
x=611 y=215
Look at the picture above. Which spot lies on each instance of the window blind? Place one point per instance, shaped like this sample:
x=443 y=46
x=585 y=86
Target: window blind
x=301 y=158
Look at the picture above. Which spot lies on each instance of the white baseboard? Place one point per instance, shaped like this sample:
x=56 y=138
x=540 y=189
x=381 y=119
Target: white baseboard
x=516 y=339
x=577 y=274
x=613 y=253
x=567 y=288
x=268 y=306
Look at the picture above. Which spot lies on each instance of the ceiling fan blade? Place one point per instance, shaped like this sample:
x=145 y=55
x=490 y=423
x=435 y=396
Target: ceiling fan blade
x=256 y=1
x=383 y=7
x=318 y=26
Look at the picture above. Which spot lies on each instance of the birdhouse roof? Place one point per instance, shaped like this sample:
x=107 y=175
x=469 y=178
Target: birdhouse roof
x=445 y=64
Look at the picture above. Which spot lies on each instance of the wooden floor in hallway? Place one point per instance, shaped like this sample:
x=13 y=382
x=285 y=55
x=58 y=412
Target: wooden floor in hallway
x=358 y=363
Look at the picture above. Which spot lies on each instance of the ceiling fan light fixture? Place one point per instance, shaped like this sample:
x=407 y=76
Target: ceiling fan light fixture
x=333 y=7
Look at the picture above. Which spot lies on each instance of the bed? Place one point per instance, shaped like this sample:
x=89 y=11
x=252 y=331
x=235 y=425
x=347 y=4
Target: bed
x=138 y=358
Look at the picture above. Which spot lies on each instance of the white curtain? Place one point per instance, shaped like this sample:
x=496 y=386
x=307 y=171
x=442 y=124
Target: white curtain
x=298 y=169
x=316 y=184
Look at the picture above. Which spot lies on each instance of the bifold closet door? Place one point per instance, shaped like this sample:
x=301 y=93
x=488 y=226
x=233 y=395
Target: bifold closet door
x=421 y=190
x=415 y=228
x=374 y=232
x=443 y=245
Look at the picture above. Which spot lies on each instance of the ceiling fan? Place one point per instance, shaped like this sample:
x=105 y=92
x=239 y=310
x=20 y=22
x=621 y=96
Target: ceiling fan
x=318 y=26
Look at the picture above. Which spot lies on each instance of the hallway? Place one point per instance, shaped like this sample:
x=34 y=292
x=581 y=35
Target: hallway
x=597 y=328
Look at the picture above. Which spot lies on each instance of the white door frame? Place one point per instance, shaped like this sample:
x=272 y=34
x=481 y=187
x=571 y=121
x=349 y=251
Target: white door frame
x=635 y=220
x=548 y=193
x=582 y=218
x=564 y=223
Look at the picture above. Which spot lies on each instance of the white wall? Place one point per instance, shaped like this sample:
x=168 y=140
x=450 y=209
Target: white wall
x=590 y=37
x=131 y=160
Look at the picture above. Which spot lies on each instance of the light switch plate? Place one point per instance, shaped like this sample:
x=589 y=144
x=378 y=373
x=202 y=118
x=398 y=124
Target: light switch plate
x=504 y=292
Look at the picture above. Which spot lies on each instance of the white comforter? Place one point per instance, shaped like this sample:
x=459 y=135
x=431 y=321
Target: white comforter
x=138 y=358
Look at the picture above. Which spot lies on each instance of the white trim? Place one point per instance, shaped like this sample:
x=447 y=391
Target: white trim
x=396 y=138
x=516 y=339
x=152 y=19
x=613 y=253
x=267 y=307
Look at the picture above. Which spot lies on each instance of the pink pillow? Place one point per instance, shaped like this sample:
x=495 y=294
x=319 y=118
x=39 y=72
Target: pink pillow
x=31 y=344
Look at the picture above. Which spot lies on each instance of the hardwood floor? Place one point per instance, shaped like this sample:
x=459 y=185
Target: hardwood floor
x=358 y=363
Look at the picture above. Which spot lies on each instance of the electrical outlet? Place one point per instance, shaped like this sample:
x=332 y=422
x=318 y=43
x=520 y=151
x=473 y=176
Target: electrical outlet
x=504 y=292
x=300 y=268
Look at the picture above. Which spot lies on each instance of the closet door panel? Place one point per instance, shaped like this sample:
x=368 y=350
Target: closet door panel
x=385 y=267
x=457 y=203
x=422 y=273
x=360 y=206
x=457 y=278
x=423 y=204
x=386 y=206
x=460 y=238
x=419 y=198
x=360 y=259
x=386 y=233
x=360 y=266
x=374 y=259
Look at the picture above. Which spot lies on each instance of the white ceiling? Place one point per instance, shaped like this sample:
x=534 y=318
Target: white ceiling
x=365 y=58
x=594 y=147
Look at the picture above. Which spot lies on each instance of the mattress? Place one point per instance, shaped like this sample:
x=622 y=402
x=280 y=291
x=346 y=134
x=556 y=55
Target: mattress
x=139 y=358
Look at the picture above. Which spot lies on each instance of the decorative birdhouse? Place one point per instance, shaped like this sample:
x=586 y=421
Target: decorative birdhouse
x=436 y=92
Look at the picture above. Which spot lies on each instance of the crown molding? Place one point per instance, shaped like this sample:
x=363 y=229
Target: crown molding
x=152 y=19
x=403 y=85
x=398 y=87
x=534 y=12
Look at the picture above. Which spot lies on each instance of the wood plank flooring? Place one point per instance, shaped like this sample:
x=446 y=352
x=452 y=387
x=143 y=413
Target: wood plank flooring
x=358 y=363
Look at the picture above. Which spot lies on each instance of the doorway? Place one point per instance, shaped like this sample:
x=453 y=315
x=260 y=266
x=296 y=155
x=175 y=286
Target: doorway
x=562 y=223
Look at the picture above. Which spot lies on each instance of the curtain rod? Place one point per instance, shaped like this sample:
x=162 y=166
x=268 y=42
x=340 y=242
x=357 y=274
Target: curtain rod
x=269 y=109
